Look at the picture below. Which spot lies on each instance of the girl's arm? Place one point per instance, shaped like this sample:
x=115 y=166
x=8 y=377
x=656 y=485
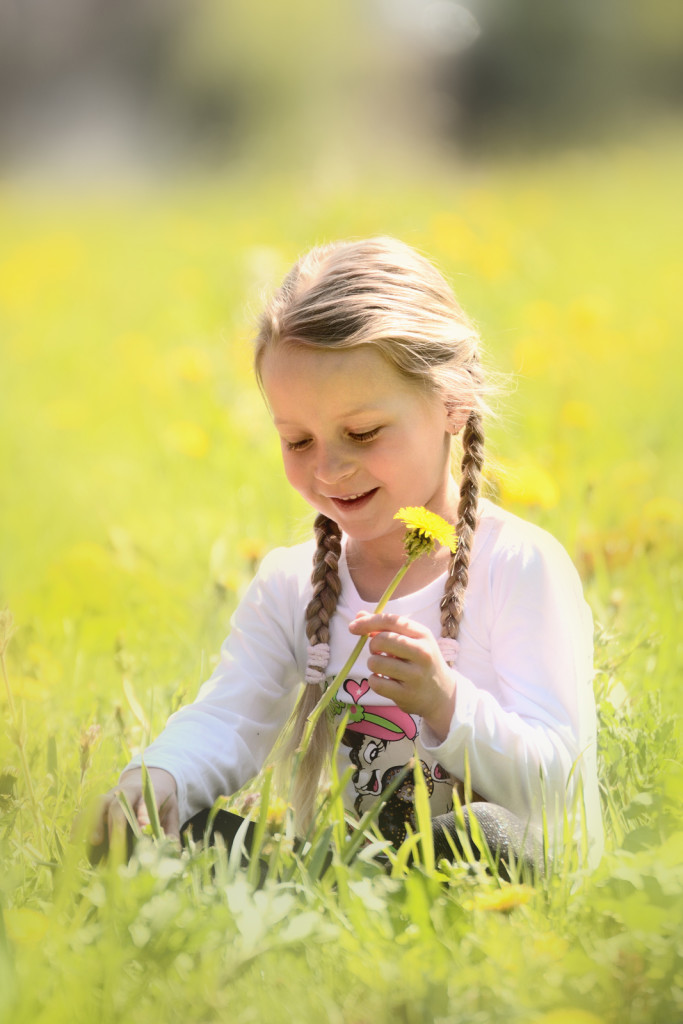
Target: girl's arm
x=523 y=713
x=216 y=744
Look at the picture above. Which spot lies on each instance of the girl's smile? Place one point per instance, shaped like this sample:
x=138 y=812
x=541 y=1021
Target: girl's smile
x=359 y=441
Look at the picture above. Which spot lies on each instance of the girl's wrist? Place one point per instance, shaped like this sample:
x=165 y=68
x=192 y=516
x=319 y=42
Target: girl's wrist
x=439 y=719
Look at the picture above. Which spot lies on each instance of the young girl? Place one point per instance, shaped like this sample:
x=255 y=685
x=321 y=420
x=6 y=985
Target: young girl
x=370 y=369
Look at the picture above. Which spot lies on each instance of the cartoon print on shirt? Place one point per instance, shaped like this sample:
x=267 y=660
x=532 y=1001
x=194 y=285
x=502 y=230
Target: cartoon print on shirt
x=382 y=739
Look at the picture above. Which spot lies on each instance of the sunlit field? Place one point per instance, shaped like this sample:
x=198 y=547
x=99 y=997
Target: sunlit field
x=141 y=484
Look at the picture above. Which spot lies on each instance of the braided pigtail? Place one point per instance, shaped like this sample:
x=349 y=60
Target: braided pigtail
x=321 y=608
x=453 y=600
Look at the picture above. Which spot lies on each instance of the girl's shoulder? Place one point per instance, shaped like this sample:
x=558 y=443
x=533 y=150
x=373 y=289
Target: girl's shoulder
x=288 y=564
x=505 y=539
x=281 y=587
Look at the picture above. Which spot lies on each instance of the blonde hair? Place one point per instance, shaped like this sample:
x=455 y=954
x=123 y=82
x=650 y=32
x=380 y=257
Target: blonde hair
x=383 y=293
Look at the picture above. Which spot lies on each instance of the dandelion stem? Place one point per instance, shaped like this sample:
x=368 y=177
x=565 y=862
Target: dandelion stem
x=329 y=693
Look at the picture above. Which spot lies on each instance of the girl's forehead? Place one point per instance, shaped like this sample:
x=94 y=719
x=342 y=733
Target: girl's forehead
x=347 y=380
x=353 y=367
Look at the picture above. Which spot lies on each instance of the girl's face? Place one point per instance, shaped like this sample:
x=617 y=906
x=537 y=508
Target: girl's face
x=358 y=440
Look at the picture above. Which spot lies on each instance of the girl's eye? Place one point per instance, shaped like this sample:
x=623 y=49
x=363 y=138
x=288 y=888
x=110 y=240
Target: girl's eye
x=365 y=436
x=361 y=437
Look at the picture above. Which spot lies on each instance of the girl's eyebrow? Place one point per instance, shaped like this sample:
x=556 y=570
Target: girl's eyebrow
x=358 y=411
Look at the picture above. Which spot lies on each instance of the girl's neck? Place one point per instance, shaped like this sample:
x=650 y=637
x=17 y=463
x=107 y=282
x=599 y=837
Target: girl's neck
x=371 y=576
x=374 y=563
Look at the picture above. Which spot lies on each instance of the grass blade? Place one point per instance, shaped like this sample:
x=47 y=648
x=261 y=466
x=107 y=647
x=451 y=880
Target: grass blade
x=423 y=816
x=151 y=803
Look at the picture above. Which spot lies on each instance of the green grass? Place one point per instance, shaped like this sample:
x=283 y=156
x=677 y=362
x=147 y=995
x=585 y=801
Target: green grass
x=141 y=484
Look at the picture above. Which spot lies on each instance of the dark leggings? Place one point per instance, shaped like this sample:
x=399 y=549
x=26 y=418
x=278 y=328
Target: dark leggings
x=509 y=839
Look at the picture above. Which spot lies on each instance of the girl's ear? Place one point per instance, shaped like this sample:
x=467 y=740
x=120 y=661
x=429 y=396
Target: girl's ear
x=456 y=416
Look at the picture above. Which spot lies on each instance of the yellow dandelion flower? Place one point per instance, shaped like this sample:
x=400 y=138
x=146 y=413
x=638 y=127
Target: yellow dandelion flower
x=550 y=946
x=65 y=414
x=662 y=510
x=277 y=810
x=534 y=356
x=190 y=364
x=25 y=927
x=26 y=687
x=424 y=529
x=492 y=260
x=576 y=413
x=188 y=438
x=528 y=484
x=504 y=899
x=252 y=549
x=587 y=313
x=569 y=1015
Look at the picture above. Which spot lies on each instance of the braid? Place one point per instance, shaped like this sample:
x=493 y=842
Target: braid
x=325 y=579
x=456 y=584
x=320 y=609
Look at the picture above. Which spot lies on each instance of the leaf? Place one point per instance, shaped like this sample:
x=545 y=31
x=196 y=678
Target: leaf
x=424 y=817
x=151 y=803
x=135 y=706
x=260 y=828
x=129 y=813
x=301 y=927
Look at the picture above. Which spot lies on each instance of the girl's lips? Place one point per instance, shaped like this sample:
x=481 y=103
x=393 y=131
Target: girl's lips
x=357 y=501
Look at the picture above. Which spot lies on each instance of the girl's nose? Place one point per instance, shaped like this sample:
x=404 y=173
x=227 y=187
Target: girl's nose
x=332 y=466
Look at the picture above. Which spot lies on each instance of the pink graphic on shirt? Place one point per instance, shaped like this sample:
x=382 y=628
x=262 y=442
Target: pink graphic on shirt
x=382 y=739
x=381 y=721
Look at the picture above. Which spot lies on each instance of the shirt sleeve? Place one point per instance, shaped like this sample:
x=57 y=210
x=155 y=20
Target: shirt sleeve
x=216 y=744
x=529 y=739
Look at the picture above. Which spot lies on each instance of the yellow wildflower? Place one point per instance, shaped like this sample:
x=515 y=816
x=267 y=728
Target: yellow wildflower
x=188 y=438
x=576 y=413
x=528 y=484
x=25 y=927
x=190 y=364
x=569 y=1015
x=505 y=899
x=27 y=687
x=424 y=529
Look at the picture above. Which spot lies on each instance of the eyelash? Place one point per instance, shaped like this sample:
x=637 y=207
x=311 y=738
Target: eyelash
x=361 y=438
x=365 y=436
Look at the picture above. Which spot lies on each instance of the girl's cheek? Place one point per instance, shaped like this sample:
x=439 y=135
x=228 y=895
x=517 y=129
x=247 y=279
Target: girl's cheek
x=292 y=472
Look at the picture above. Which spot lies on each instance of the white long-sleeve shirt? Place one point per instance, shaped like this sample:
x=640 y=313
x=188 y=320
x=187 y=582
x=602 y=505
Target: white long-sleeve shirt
x=524 y=717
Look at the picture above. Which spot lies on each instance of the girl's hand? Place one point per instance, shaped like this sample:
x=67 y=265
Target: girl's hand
x=408 y=668
x=111 y=821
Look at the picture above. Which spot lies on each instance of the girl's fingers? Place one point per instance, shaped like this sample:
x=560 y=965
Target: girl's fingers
x=389 y=688
x=168 y=817
x=97 y=833
x=110 y=826
x=116 y=819
x=366 y=624
x=397 y=645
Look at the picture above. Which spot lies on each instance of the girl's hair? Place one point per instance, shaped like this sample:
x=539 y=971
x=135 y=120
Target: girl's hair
x=383 y=293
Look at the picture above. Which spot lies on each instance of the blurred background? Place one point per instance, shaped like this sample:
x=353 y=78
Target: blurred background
x=93 y=90
x=162 y=163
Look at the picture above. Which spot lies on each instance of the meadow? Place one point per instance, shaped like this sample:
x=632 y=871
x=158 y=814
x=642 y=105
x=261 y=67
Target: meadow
x=141 y=484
